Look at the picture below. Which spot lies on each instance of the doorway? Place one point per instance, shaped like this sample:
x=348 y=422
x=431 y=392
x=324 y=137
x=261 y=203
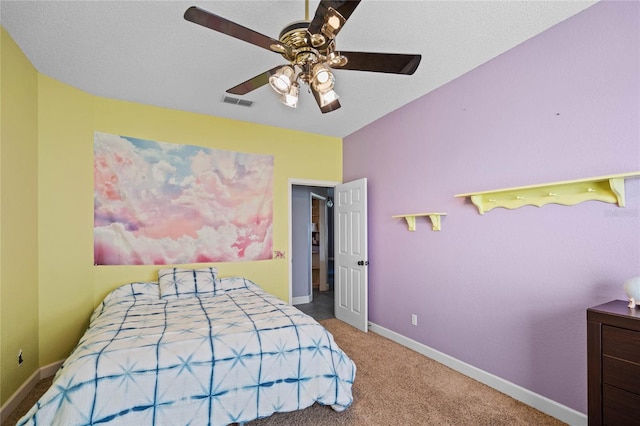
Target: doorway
x=311 y=248
x=350 y=249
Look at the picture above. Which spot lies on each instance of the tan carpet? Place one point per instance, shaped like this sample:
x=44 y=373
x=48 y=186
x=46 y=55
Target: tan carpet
x=395 y=386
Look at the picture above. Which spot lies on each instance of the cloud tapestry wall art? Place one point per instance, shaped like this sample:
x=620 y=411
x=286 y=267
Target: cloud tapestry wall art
x=158 y=203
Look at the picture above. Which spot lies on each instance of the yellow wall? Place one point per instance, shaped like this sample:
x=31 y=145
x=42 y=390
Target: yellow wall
x=65 y=200
x=48 y=283
x=18 y=217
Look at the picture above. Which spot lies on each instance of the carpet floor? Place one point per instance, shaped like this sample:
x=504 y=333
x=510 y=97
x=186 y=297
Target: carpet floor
x=394 y=386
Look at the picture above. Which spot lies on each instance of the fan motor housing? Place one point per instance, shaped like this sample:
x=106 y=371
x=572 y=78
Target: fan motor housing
x=296 y=36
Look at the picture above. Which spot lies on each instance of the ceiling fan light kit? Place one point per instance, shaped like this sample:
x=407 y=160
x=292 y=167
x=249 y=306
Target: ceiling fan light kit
x=310 y=50
x=282 y=80
x=290 y=99
x=327 y=98
x=322 y=79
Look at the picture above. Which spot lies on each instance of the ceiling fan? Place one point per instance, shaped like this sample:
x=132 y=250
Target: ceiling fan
x=310 y=50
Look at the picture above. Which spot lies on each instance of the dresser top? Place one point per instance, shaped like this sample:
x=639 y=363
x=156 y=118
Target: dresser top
x=617 y=307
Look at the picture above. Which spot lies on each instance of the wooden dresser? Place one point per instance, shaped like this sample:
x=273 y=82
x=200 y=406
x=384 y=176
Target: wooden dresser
x=613 y=364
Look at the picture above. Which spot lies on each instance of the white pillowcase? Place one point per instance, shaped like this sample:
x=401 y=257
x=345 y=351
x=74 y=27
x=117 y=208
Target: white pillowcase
x=236 y=283
x=177 y=283
x=232 y=283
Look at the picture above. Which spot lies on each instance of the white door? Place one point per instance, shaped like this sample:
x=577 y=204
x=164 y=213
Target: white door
x=351 y=278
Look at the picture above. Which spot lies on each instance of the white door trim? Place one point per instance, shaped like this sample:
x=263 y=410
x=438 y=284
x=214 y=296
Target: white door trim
x=300 y=182
x=322 y=257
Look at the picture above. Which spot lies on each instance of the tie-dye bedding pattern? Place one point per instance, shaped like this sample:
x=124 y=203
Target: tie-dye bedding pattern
x=233 y=357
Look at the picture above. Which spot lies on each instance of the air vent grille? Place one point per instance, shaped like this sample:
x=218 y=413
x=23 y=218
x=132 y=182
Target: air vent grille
x=236 y=101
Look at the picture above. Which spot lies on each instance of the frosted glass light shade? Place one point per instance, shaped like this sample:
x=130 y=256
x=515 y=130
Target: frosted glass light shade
x=282 y=80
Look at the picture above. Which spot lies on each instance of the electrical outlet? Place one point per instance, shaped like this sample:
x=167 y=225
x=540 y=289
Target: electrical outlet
x=414 y=319
x=20 y=359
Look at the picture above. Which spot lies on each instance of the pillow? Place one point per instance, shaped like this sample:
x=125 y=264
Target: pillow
x=179 y=283
x=126 y=293
x=234 y=283
x=136 y=290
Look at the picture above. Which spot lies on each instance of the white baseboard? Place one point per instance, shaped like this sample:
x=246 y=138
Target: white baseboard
x=539 y=402
x=300 y=300
x=50 y=370
x=27 y=386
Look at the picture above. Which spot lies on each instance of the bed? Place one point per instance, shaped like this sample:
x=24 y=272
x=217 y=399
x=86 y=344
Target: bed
x=195 y=349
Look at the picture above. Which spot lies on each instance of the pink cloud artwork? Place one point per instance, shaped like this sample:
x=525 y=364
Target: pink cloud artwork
x=158 y=203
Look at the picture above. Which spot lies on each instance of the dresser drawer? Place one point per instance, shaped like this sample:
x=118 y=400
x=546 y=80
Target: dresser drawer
x=621 y=343
x=621 y=374
x=619 y=407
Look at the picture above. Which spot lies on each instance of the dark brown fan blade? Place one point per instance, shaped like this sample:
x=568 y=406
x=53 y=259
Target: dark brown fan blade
x=331 y=107
x=344 y=8
x=253 y=83
x=393 y=63
x=327 y=108
x=222 y=25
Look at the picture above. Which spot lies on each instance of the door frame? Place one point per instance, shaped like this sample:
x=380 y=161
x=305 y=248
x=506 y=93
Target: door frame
x=321 y=229
x=300 y=182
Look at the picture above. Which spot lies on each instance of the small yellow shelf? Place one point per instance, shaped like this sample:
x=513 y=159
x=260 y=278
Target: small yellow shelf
x=411 y=220
x=609 y=189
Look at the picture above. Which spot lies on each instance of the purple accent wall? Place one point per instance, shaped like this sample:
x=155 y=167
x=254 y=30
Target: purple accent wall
x=507 y=291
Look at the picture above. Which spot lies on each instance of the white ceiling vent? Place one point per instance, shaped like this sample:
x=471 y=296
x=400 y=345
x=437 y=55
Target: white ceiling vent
x=236 y=101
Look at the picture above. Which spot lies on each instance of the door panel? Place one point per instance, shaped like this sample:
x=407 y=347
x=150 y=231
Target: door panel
x=340 y=292
x=356 y=290
x=351 y=253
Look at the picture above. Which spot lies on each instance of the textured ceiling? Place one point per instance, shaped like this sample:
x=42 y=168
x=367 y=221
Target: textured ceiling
x=144 y=51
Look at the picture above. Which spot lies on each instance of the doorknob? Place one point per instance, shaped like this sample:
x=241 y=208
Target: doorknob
x=363 y=262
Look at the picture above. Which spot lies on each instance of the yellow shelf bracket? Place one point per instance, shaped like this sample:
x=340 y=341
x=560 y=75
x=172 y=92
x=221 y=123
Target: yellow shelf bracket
x=411 y=220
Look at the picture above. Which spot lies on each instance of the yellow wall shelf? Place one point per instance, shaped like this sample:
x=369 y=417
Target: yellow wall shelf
x=609 y=189
x=411 y=220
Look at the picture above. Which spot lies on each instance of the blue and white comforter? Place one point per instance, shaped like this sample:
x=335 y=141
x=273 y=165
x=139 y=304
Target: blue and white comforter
x=204 y=360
